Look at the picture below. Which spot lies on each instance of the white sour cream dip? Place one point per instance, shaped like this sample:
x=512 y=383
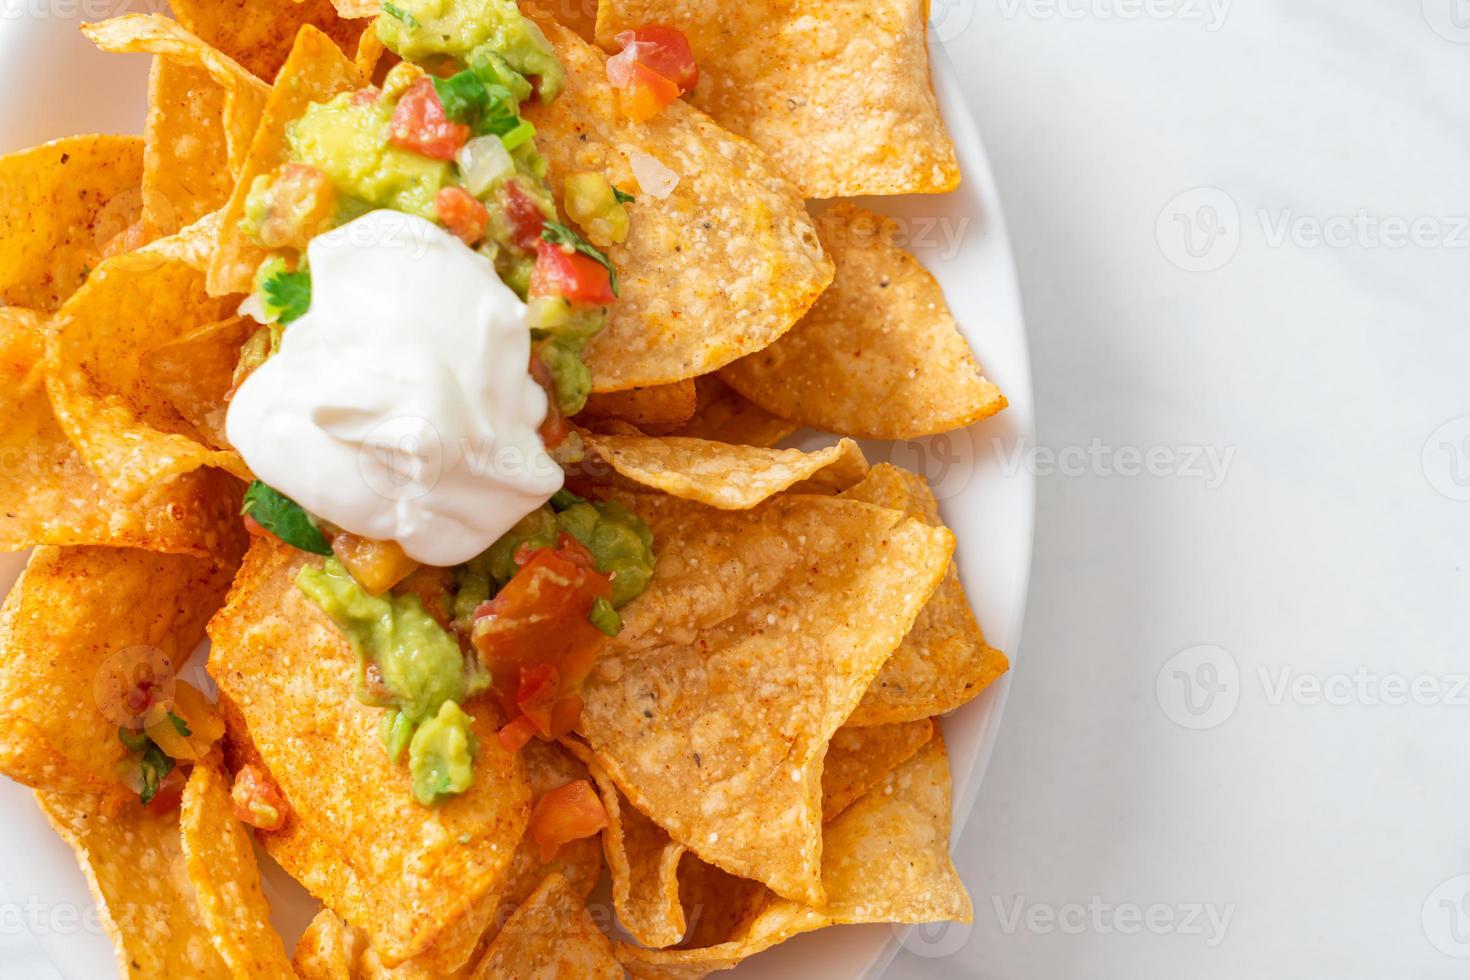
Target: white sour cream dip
x=400 y=406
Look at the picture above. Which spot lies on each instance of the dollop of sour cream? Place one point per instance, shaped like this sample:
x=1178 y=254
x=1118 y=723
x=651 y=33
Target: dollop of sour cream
x=400 y=406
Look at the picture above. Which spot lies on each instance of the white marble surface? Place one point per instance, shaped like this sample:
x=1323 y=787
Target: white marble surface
x=1326 y=816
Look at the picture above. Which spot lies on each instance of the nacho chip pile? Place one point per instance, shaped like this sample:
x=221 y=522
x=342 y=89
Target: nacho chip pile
x=761 y=740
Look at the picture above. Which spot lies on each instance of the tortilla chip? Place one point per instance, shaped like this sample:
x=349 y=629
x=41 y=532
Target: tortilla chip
x=134 y=864
x=123 y=426
x=886 y=859
x=259 y=33
x=49 y=496
x=358 y=8
x=753 y=642
x=404 y=873
x=329 y=949
x=879 y=356
x=550 y=936
x=64 y=202
x=840 y=98
x=220 y=861
x=725 y=476
x=661 y=405
x=315 y=71
x=724 y=415
x=78 y=628
x=196 y=372
x=719 y=268
x=859 y=758
x=944 y=662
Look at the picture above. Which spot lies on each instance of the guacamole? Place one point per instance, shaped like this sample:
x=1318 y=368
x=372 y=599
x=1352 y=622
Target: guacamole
x=441 y=757
x=468 y=30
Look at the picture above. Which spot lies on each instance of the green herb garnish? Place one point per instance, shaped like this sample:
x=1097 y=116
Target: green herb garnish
x=288 y=294
x=154 y=766
x=398 y=13
x=623 y=197
x=285 y=518
x=560 y=235
x=180 y=725
x=135 y=741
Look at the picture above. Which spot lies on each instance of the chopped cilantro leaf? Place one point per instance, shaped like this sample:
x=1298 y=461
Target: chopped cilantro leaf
x=285 y=518
x=155 y=766
x=398 y=13
x=135 y=741
x=463 y=96
x=623 y=197
x=288 y=294
x=559 y=234
x=180 y=725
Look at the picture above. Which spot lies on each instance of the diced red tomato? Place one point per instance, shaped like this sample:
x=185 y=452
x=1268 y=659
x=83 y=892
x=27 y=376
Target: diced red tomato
x=419 y=124
x=665 y=50
x=524 y=214
x=513 y=737
x=169 y=794
x=255 y=528
x=555 y=429
x=462 y=213
x=257 y=800
x=536 y=629
x=567 y=813
x=570 y=275
x=655 y=67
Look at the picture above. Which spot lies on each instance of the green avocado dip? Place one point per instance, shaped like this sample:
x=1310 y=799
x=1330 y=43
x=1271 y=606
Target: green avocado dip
x=471 y=31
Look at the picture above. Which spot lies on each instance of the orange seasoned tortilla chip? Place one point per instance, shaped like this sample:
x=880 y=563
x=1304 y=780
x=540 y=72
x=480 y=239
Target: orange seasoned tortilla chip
x=358 y=8
x=315 y=71
x=661 y=405
x=757 y=634
x=196 y=371
x=128 y=432
x=404 y=873
x=720 y=267
x=859 y=758
x=63 y=202
x=724 y=415
x=885 y=859
x=79 y=631
x=879 y=356
x=643 y=861
x=725 y=476
x=550 y=936
x=220 y=861
x=134 y=864
x=259 y=33
x=329 y=949
x=840 y=97
x=49 y=496
x=944 y=661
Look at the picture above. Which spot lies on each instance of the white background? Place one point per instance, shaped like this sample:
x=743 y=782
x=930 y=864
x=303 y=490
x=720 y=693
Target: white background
x=1334 y=542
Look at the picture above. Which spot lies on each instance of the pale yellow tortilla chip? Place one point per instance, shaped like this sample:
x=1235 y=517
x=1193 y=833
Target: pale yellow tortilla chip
x=196 y=372
x=838 y=95
x=725 y=476
x=329 y=949
x=128 y=432
x=721 y=267
x=879 y=356
x=220 y=861
x=758 y=632
x=724 y=415
x=134 y=864
x=404 y=873
x=550 y=937
x=885 y=859
x=78 y=629
x=64 y=202
x=661 y=405
x=315 y=71
x=259 y=33
x=49 y=496
x=944 y=662
x=859 y=758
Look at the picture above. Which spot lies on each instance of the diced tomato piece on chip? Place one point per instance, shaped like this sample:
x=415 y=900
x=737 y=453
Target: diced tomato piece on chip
x=537 y=629
x=524 y=214
x=170 y=792
x=513 y=737
x=665 y=50
x=462 y=213
x=567 y=813
x=570 y=275
x=420 y=124
x=647 y=93
x=257 y=800
x=255 y=529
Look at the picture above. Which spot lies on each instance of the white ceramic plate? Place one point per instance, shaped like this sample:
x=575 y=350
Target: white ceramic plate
x=48 y=923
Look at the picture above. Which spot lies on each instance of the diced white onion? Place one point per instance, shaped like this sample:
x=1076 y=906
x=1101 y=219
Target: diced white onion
x=482 y=161
x=654 y=179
